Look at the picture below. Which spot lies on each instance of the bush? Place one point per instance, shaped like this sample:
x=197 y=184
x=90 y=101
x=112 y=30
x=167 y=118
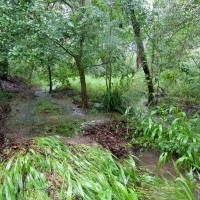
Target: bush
x=171 y=131
x=114 y=101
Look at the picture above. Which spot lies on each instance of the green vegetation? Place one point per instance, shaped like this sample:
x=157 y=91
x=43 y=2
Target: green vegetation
x=126 y=92
x=44 y=106
x=66 y=62
x=171 y=132
x=7 y=96
x=48 y=169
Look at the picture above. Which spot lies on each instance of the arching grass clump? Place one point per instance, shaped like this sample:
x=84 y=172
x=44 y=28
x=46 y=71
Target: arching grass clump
x=48 y=169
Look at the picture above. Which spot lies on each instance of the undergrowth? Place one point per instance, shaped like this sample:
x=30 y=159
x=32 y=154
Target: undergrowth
x=6 y=96
x=114 y=101
x=51 y=170
x=127 y=91
x=44 y=106
x=47 y=169
x=172 y=132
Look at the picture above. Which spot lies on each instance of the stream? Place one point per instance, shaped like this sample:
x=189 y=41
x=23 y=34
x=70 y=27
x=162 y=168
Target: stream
x=45 y=114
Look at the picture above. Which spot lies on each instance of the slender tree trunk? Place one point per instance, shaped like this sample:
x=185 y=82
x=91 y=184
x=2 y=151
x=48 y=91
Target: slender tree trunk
x=106 y=75
x=50 y=79
x=110 y=78
x=141 y=53
x=31 y=73
x=110 y=54
x=81 y=71
x=4 y=69
x=107 y=79
x=152 y=61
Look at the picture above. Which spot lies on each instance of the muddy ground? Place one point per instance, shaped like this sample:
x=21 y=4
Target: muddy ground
x=39 y=113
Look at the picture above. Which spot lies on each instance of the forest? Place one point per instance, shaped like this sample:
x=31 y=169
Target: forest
x=100 y=99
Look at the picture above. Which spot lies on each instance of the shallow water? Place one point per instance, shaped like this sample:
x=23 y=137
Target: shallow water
x=29 y=122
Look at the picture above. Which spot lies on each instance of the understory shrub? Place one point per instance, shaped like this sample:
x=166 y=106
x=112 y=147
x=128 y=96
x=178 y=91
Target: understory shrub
x=6 y=96
x=172 y=132
x=114 y=101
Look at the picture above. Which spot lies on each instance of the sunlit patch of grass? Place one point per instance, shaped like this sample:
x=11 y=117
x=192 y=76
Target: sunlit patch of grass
x=133 y=88
x=95 y=87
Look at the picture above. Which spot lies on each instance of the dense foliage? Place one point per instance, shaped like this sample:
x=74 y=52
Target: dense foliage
x=172 y=132
x=55 y=40
x=47 y=169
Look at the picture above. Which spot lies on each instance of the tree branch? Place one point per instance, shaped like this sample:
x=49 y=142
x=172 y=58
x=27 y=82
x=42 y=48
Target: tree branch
x=98 y=65
x=69 y=5
x=62 y=47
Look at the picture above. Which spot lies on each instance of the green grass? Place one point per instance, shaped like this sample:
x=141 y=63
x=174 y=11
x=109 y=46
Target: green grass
x=133 y=88
x=95 y=87
x=44 y=106
x=7 y=96
x=68 y=128
x=159 y=188
x=47 y=169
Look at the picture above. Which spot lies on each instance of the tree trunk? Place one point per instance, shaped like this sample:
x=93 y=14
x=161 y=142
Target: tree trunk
x=50 y=79
x=4 y=69
x=81 y=71
x=110 y=78
x=31 y=73
x=141 y=53
x=5 y=110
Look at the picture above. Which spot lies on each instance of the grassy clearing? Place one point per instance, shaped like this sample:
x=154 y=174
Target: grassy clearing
x=133 y=89
x=95 y=87
x=47 y=169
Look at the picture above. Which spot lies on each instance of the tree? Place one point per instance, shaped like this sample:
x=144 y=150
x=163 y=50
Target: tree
x=73 y=31
x=141 y=54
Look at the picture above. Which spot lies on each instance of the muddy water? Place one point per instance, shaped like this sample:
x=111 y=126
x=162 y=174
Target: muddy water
x=27 y=122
